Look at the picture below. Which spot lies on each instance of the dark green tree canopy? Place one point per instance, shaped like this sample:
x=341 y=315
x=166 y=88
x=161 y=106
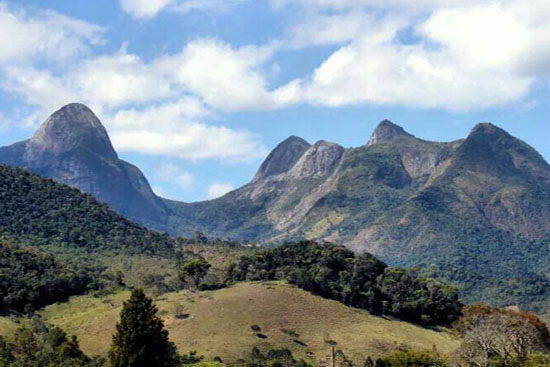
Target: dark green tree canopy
x=30 y=280
x=37 y=345
x=140 y=339
x=361 y=281
x=196 y=269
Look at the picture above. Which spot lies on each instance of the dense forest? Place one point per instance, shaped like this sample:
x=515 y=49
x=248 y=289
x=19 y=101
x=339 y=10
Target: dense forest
x=360 y=281
x=30 y=280
x=39 y=211
x=56 y=242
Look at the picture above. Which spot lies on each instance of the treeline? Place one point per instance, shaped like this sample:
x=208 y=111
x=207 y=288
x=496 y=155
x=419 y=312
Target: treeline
x=360 y=281
x=39 y=211
x=31 y=280
x=37 y=345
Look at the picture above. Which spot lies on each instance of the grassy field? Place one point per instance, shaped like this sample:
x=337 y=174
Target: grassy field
x=219 y=323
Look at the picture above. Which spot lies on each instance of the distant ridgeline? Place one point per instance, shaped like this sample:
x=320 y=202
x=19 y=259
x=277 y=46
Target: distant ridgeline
x=475 y=211
x=360 y=281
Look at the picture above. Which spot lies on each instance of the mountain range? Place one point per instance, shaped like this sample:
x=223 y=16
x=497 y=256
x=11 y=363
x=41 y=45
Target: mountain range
x=475 y=211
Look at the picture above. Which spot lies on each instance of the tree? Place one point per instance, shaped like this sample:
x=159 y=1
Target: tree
x=199 y=237
x=494 y=336
x=36 y=345
x=196 y=269
x=140 y=339
x=538 y=360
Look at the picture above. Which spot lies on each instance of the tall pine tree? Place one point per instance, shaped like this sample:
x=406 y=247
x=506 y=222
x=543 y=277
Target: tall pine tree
x=140 y=339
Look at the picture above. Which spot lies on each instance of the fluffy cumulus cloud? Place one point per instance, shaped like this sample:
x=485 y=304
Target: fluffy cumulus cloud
x=46 y=35
x=173 y=129
x=226 y=77
x=146 y=9
x=460 y=54
x=217 y=190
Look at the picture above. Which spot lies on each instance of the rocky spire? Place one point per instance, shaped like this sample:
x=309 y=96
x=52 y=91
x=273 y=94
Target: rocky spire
x=74 y=126
x=283 y=157
x=387 y=131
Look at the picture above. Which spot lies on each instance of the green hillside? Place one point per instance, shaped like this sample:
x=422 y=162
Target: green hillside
x=39 y=211
x=218 y=323
x=56 y=241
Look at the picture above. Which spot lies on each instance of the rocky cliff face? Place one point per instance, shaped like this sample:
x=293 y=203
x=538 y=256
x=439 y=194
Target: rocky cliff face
x=282 y=158
x=73 y=147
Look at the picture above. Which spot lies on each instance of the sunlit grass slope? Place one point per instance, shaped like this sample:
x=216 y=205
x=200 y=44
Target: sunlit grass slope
x=219 y=323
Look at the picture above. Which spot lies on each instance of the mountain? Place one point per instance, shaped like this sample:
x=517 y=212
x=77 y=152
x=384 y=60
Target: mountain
x=475 y=211
x=329 y=192
x=73 y=147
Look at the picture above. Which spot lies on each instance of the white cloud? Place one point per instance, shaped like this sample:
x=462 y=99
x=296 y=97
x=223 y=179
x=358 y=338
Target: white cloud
x=374 y=71
x=217 y=190
x=172 y=173
x=117 y=79
x=43 y=34
x=226 y=77
x=324 y=29
x=464 y=54
x=223 y=77
x=38 y=87
x=172 y=129
x=146 y=9
x=106 y=81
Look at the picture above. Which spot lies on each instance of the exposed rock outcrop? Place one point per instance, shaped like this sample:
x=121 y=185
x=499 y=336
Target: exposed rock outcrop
x=387 y=131
x=73 y=147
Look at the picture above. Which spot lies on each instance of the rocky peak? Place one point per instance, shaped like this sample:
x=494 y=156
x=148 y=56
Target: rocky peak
x=488 y=138
x=487 y=129
x=319 y=160
x=283 y=157
x=387 y=131
x=72 y=127
x=490 y=148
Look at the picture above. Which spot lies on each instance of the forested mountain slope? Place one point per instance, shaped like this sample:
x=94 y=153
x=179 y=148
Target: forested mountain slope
x=40 y=211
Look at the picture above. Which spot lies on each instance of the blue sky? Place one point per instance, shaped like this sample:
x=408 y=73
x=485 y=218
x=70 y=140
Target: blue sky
x=197 y=92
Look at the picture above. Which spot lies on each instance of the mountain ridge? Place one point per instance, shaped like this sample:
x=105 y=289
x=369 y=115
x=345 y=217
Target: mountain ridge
x=409 y=201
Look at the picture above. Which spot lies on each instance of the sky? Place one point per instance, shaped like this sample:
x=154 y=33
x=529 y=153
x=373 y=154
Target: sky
x=196 y=93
